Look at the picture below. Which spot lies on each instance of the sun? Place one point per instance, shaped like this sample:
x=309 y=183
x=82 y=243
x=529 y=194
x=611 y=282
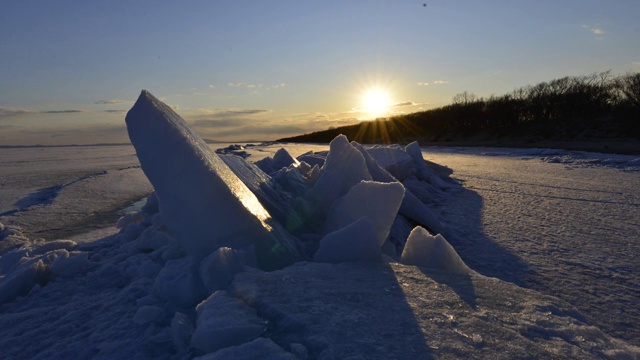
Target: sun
x=375 y=102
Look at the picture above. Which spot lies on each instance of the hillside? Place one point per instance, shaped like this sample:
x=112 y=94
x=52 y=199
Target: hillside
x=597 y=112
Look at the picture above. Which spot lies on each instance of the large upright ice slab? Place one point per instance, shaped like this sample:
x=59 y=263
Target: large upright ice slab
x=202 y=202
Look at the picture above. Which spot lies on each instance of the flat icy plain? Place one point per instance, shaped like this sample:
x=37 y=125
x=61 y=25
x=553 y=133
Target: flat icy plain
x=564 y=224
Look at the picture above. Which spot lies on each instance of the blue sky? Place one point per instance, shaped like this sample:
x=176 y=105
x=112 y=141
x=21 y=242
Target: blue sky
x=260 y=70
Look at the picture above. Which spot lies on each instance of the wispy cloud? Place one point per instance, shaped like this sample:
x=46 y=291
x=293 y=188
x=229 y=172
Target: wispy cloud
x=436 y=82
x=70 y=111
x=115 y=111
x=406 y=103
x=255 y=85
x=221 y=123
x=11 y=112
x=109 y=102
x=214 y=118
x=242 y=112
x=596 y=30
x=252 y=130
x=276 y=86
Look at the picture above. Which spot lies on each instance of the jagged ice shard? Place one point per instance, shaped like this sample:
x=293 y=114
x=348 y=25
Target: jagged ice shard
x=202 y=202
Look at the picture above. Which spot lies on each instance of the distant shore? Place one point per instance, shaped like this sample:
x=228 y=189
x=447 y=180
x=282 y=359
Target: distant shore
x=607 y=146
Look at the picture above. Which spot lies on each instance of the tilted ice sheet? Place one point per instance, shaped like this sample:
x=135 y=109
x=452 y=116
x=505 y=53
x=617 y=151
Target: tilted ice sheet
x=202 y=202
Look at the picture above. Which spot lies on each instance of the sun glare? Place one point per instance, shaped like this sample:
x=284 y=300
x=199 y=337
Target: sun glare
x=375 y=103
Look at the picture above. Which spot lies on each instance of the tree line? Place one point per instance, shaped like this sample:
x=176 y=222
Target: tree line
x=596 y=106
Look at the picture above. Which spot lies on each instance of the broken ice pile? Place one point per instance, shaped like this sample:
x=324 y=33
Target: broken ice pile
x=353 y=203
x=215 y=215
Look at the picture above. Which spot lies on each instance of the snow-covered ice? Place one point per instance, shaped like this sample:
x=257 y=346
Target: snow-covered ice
x=518 y=257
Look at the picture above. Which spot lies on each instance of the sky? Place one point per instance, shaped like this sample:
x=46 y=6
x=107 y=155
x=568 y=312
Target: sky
x=262 y=70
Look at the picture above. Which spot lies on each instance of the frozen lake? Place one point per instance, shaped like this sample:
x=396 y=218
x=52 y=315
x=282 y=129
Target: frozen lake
x=564 y=224
x=568 y=230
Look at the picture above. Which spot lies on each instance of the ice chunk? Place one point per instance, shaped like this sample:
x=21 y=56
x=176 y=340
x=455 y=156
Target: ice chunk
x=265 y=165
x=53 y=245
x=282 y=159
x=378 y=173
x=179 y=283
x=375 y=200
x=313 y=159
x=218 y=269
x=432 y=252
x=26 y=273
x=290 y=179
x=70 y=264
x=356 y=242
x=394 y=160
x=414 y=209
x=424 y=191
x=129 y=218
x=202 y=202
x=20 y=281
x=414 y=151
x=224 y=321
x=344 y=168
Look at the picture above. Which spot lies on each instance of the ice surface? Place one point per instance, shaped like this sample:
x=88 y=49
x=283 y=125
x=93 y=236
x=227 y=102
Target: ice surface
x=377 y=201
x=202 y=202
x=356 y=242
x=394 y=311
x=432 y=252
x=110 y=298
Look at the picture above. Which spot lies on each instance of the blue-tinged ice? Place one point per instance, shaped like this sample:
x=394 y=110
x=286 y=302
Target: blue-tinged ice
x=345 y=166
x=202 y=202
